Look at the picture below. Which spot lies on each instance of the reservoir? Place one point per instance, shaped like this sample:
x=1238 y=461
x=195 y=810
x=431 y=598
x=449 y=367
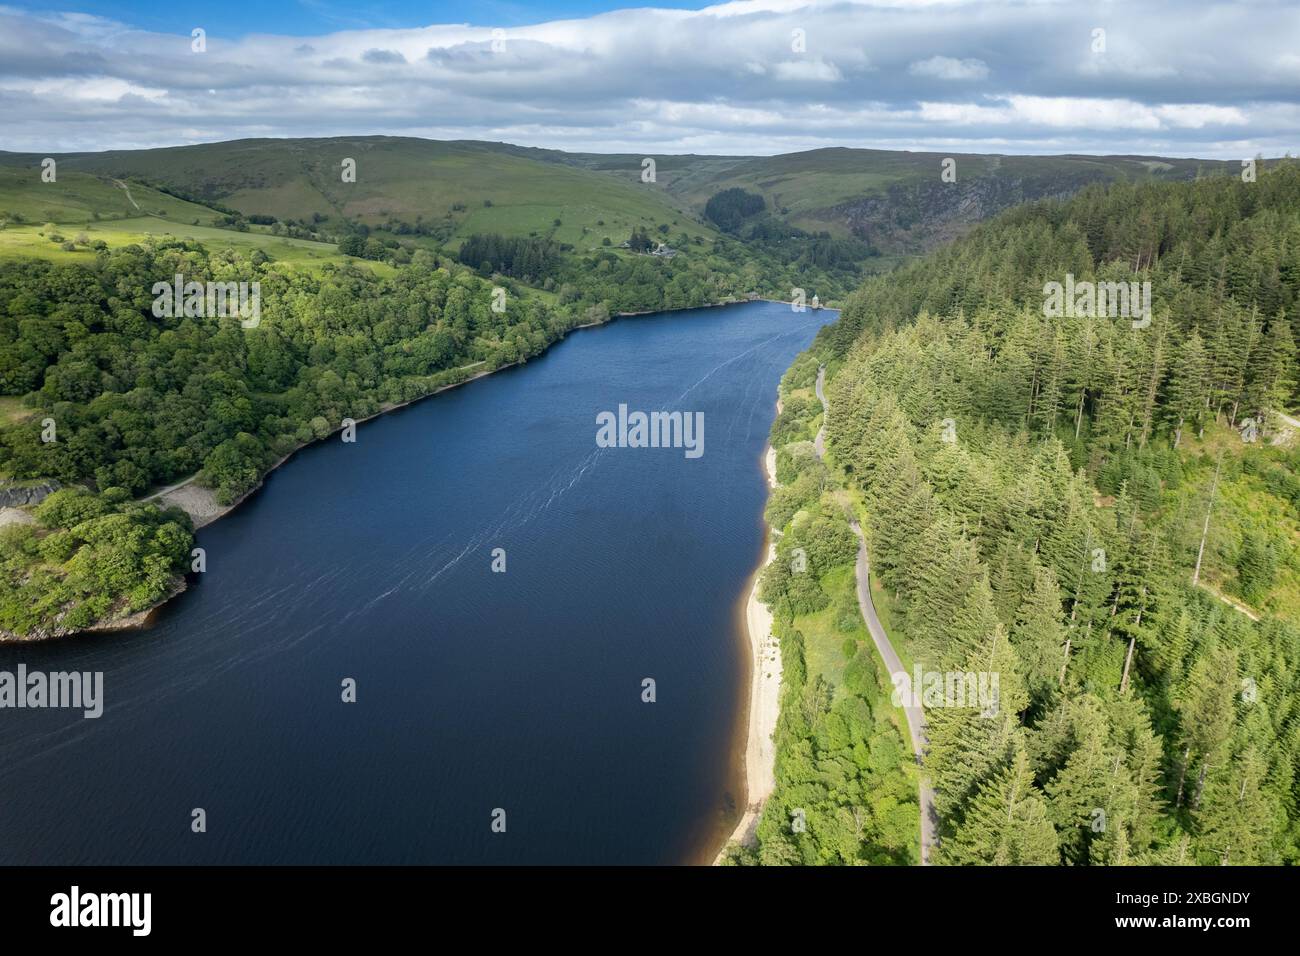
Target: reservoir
x=511 y=697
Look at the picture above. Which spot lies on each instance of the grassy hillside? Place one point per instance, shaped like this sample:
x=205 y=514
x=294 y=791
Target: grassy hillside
x=30 y=241
x=457 y=188
x=826 y=216
x=817 y=220
x=581 y=227
x=89 y=208
x=894 y=200
x=811 y=185
x=78 y=196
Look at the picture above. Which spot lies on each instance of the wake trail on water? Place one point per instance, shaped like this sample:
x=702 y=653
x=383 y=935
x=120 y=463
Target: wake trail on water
x=426 y=571
x=185 y=665
x=434 y=563
x=514 y=518
x=709 y=374
x=427 y=561
x=206 y=656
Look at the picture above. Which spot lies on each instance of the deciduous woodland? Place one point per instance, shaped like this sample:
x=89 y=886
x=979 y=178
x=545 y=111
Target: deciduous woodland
x=1104 y=515
x=138 y=400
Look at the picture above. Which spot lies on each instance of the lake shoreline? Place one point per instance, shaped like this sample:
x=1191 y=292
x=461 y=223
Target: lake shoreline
x=220 y=511
x=215 y=512
x=763 y=704
x=372 y=561
x=204 y=509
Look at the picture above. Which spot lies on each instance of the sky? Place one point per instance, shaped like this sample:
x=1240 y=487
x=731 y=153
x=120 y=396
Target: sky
x=1156 y=77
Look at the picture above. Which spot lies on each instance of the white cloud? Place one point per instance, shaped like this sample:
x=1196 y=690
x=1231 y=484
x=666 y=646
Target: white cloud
x=86 y=89
x=1065 y=112
x=1176 y=78
x=814 y=70
x=946 y=68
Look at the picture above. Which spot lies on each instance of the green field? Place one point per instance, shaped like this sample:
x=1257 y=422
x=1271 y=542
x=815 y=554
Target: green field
x=462 y=187
x=27 y=241
x=824 y=640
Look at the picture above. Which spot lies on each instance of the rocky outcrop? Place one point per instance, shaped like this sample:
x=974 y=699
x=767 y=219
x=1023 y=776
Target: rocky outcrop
x=16 y=494
x=912 y=218
x=119 y=619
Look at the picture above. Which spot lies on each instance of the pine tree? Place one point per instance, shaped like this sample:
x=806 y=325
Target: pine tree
x=1187 y=386
x=943 y=566
x=1112 y=847
x=1205 y=710
x=1132 y=610
x=1236 y=823
x=969 y=743
x=1039 y=637
x=1077 y=795
x=1007 y=824
x=1011 y=576
x=1018 y=529
x=1271 y=375
x=1140 y=774
x=972 y=624
x=1047 y=406
x=901 y=513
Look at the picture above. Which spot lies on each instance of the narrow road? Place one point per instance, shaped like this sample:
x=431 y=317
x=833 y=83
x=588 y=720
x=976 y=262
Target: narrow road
x=893 y=665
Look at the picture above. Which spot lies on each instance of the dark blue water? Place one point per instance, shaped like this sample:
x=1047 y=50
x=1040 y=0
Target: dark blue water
x=475 y=690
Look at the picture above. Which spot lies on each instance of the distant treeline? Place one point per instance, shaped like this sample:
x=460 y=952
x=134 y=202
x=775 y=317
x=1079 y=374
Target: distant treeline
x=734 y=211
x=528 y=259
x=731 y=207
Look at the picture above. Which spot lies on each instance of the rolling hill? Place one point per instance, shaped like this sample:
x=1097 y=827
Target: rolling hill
x=76 y=197
x=895 y=201
x=450 y=189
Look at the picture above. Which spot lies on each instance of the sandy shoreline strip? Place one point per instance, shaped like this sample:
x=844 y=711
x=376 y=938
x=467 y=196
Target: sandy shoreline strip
x=764 y=697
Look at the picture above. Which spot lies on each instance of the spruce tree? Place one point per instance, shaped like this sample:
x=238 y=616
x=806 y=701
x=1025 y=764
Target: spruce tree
x=1007 y=824
x=1038 y=636
x=1236 y=823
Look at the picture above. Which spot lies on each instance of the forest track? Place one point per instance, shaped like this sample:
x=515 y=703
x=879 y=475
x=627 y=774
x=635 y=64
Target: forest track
x=893 y=664
x=127 y=190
